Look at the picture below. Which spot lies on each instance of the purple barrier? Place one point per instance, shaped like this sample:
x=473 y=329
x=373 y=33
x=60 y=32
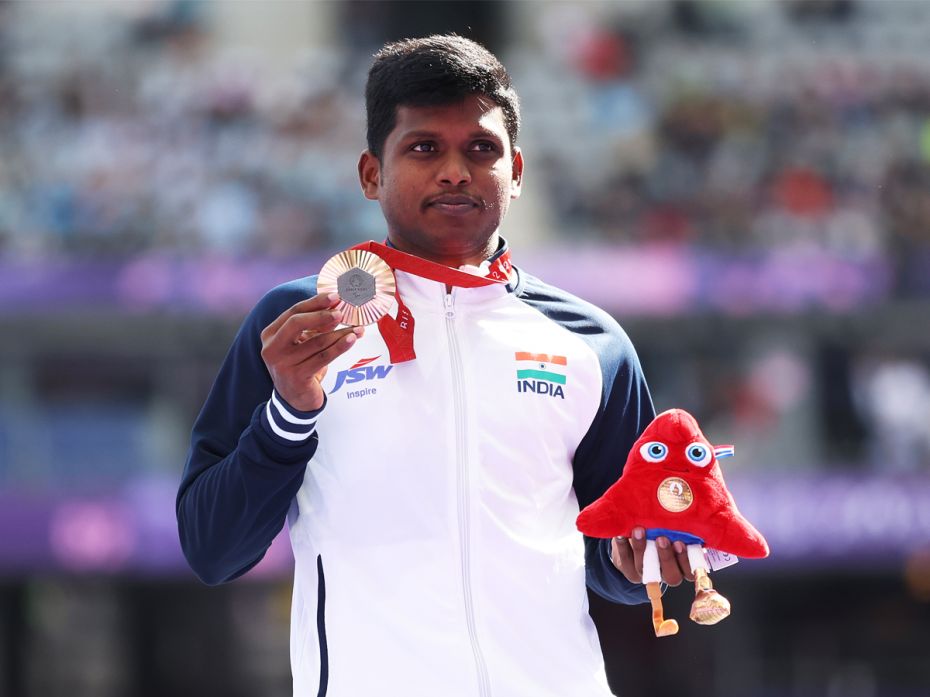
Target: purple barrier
x=653 y=280
x=811 y=522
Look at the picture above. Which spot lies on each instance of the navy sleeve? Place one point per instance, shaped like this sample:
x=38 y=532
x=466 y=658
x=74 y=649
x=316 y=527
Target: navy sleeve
x=625 y=411
x=247 y=457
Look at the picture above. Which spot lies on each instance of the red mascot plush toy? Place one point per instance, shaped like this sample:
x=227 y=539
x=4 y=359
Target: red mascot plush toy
x=672 y=486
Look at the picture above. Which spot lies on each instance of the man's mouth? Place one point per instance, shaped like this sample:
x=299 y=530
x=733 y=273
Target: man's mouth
x=453 y=204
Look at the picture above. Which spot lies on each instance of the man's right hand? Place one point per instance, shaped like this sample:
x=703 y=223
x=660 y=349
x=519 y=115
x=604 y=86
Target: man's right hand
x=298 y=346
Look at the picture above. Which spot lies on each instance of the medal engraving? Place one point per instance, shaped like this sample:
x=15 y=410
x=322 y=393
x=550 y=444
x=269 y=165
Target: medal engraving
x=356 y=287
x=675 y=494
x=364 y=283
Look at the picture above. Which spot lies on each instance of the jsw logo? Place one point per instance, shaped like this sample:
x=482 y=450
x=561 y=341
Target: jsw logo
x=360 y=372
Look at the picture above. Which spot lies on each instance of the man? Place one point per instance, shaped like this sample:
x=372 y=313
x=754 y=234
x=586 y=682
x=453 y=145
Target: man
x=431 y=502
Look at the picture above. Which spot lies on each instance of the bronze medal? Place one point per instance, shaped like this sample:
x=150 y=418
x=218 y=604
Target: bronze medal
x=364 y=283
x=674 y=494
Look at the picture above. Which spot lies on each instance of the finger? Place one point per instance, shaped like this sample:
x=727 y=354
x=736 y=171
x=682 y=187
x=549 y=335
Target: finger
x=300 y=327
x=621 y=554
x=339 y=342
x=314 y=304
x=291 y=344
x=320 y=374
x=317 y=343
x=638 y=543
x=668 y=562
x=681 y=553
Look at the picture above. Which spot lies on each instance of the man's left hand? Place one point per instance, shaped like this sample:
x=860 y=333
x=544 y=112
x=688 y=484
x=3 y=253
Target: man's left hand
x=626 y=553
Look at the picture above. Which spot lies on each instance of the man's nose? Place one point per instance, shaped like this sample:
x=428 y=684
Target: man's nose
x=454 y=171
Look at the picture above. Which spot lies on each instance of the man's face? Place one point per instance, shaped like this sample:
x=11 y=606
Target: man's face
x=445 y=180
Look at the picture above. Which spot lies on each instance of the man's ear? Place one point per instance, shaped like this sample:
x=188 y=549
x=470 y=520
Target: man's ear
x=369 y=175
x=516 y=177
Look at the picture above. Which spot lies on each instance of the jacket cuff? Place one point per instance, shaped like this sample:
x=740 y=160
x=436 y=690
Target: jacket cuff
x=605 y=579
x=287 y=425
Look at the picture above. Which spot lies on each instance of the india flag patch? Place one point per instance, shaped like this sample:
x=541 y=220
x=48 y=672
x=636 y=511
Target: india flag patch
x=541 y=366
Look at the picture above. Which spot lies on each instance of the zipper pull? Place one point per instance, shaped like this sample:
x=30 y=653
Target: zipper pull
x=450 y=311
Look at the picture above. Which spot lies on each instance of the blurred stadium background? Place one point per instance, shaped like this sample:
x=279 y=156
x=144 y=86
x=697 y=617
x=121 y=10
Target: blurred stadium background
x=745 y=185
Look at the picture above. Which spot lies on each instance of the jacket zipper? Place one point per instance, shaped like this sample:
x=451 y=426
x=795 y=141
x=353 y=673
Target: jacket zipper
x=464 y=504
x=321 y=627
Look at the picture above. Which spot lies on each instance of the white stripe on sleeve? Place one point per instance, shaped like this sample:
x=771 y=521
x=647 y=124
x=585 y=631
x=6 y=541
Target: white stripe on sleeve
x=278 y=431
x=287 y=415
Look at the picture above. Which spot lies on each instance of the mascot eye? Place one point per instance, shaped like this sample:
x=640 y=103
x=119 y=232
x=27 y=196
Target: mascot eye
x=699 y=455
x=654 y=451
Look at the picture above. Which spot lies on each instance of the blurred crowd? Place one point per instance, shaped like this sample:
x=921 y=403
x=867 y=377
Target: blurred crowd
x=127 y=134
x=784 y=127
x=773 y=129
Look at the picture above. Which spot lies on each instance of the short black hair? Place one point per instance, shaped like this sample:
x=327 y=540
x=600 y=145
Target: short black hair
x=433 y=71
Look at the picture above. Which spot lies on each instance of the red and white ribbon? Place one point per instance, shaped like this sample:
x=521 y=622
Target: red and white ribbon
x=397 y=332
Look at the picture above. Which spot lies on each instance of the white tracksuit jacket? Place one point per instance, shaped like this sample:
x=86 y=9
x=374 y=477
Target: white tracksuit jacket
x=431 y=503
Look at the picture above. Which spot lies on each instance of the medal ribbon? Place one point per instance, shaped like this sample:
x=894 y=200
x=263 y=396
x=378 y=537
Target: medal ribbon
x=397 y=332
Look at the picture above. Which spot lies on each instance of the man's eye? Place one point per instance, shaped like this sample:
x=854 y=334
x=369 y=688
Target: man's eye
x=423 y=147
x=484 y=146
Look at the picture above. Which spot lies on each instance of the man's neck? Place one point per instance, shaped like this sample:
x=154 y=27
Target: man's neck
x=473 y=258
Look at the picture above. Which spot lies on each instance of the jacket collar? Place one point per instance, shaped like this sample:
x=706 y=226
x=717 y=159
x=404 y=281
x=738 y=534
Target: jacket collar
x=423 y=291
